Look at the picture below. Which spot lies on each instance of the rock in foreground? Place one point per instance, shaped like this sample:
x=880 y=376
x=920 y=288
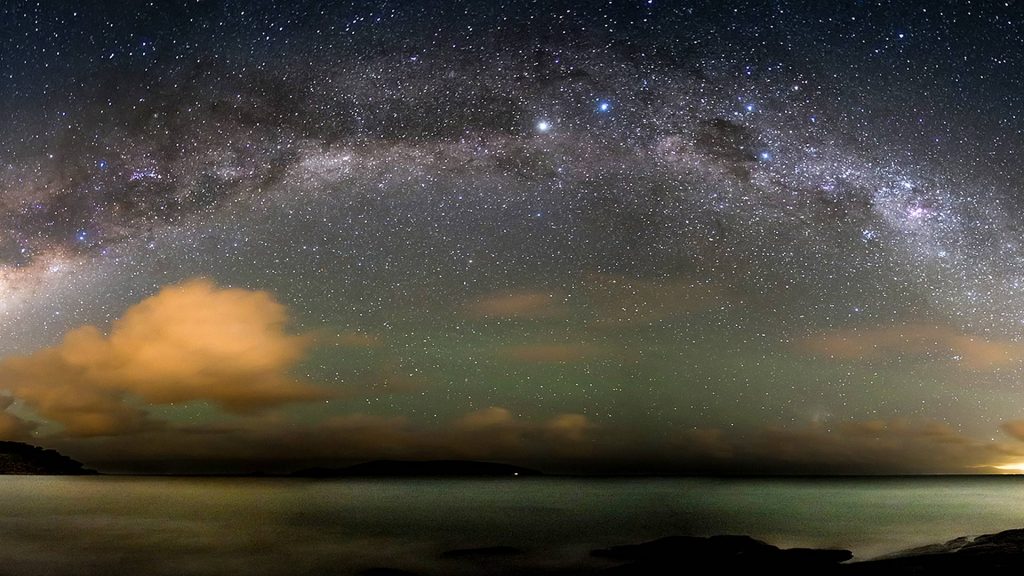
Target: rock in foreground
x=19 y=458
x=669 y=555
x=1001 y=552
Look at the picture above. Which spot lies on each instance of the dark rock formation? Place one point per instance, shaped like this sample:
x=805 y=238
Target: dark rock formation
x=671 y=555
x=431 y=468
x=19 y=458
x=1002 y=552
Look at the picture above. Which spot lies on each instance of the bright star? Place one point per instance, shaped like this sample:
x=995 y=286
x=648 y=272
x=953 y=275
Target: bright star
x=543 y=126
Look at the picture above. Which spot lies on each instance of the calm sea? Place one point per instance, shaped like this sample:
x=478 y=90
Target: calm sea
x=153 y=526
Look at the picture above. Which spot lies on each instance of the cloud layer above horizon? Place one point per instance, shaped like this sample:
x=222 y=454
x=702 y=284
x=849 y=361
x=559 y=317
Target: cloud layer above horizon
x=98 y=394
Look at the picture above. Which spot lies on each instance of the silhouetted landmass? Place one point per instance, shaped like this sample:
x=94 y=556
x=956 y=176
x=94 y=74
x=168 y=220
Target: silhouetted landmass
x=676 y=554
x=430 y=468
x=999 y=553
x=673 y=556
x=19 y=458
x=1002 y=552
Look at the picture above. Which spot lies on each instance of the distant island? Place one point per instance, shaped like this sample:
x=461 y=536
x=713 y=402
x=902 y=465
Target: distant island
x=423 y=469
x=20 y=458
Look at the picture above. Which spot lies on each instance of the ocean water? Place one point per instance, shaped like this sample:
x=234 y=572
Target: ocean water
x=156 y=526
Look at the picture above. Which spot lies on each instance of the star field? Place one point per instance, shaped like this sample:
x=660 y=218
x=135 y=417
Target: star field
x=650 y=230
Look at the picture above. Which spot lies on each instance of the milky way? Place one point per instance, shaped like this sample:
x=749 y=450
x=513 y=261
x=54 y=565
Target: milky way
x=691 y=221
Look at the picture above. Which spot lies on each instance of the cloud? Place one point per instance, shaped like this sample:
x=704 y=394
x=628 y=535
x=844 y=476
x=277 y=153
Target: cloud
x=492 y=417
x=509 y=305
x=572 y=427
x=915 y=340
x=1014 y=428
x=12 y=427
x=493 y=433
x=707 y=443
x=191 y=341
x=496 y=431
x=884 y=446
x=568 y=441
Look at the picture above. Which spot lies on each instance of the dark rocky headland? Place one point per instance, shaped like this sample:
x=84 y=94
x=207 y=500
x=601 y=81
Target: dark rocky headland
x=20 y=458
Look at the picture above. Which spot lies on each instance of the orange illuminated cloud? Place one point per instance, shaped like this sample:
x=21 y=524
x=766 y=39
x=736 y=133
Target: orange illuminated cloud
x=1014 y=428
x=895 y=445
x=192 y=341
x=496 y=431
x=528 y=304
x=894 y=342
x=493 y=433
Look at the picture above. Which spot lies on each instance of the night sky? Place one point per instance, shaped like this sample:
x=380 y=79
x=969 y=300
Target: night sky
x=643 y=236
